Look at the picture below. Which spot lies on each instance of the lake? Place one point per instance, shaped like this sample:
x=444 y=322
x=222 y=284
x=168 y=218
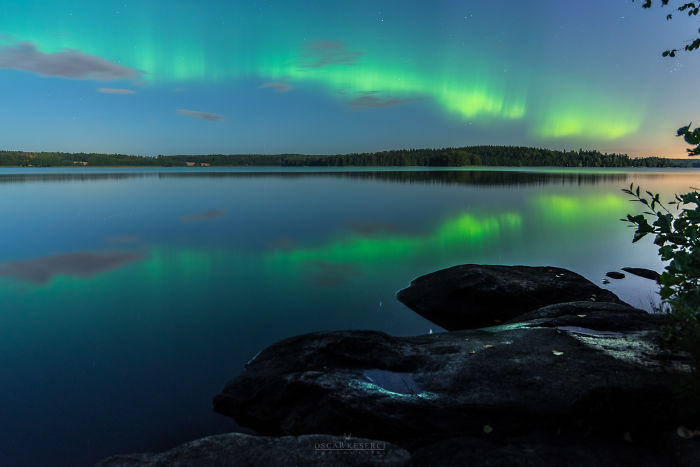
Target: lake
x=129 y=296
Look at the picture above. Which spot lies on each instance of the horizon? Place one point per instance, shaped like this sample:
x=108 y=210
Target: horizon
x=436 y=148
x=182 y=78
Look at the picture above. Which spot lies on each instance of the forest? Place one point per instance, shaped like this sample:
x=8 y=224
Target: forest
x=444 y=157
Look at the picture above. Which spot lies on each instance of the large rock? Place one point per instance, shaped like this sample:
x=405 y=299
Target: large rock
x=472 y=296
x=237 y=449
x=512 y=378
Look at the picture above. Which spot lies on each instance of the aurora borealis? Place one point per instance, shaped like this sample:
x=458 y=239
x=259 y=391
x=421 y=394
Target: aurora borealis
x=328 y=77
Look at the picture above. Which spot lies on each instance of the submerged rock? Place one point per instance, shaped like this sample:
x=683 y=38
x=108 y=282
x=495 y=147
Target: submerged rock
x=615 y=275
x=514 y=378
x=237 y=449
x=645 y=273
x=473 y=296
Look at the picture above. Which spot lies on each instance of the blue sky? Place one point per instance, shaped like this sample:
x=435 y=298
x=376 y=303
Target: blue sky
x=169 y=77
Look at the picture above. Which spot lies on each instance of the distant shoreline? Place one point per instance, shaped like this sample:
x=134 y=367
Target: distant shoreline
x=339 y=167
x=472 y=156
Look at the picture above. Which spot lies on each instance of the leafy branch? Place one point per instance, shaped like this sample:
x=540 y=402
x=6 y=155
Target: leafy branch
x=678 y=238
x=691 y=9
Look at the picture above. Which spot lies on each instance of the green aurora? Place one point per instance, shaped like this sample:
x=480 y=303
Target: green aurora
x=348 y=58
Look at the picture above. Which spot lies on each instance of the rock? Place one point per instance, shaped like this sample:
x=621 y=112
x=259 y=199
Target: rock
x=599 y=316
x=545 y=450
x=645 y=273
x=615 y=275
x=515 y=378
x=473 y=296
x=238 y=449
x=605 y=281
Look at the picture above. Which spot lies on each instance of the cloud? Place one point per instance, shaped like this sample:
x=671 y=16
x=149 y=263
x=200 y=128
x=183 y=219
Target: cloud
x=368 y=101
x=323 y=53
x=203 y=216
x=81 y=264
x=277 y=86
x=69 y=63
x=115 y=91
x=210 y=117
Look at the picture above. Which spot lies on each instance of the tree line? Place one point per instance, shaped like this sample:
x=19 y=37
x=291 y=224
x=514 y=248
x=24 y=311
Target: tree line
x=444 y=157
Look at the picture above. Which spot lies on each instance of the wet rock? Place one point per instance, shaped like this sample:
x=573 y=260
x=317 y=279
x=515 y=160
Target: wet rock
x=414 y=390
x=473 y=296
x=645 y=273
x=615 y=275
x=237 y=449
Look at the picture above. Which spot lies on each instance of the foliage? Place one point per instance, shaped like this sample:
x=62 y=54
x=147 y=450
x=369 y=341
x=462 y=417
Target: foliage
x=689 y=8
x=678 y=238
x=677 y=234
x=691 y=137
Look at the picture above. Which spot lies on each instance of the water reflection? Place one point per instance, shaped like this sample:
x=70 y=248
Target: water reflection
x=563 y=209
x=165 y=326
x=457 y=233
x=81 y=264
x=468 y=176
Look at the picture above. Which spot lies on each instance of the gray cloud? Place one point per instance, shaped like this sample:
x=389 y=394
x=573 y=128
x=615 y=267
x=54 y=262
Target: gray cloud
x=203 y=216
x=210 y=117
x=81 y=264
x=277 y=86
x=368 y=100
x=115 y=91
x=323 y=53
x=69 y=63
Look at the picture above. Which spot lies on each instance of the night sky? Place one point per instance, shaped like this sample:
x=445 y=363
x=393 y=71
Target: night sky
x=180 y=76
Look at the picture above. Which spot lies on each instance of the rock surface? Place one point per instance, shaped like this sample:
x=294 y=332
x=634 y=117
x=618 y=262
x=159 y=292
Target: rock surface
x=645 y=273
x=473 y=296
x=237 y=449
x=545 y=450
x=600 y=316
x=515 y=378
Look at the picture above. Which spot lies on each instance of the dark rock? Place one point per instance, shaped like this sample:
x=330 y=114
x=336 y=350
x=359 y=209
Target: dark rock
x=645 y=273
x=599 y=316
x=605 y=281
x=545 y=450
x=615 y=275
x=473 y=296
x=415 y=390
x=237 y=449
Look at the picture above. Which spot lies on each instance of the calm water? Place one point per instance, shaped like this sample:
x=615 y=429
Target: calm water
x=128 y=297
